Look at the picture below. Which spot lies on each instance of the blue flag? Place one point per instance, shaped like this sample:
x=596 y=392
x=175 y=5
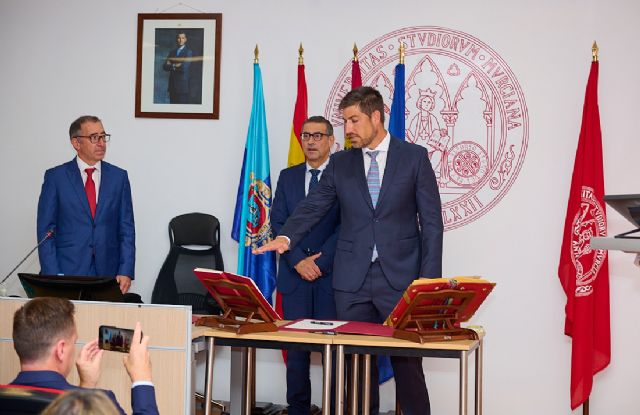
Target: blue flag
x=396 y=119
x=252 y=216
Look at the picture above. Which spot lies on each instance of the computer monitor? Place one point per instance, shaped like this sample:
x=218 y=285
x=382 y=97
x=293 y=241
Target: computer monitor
x=629 y=207
x=72 y=287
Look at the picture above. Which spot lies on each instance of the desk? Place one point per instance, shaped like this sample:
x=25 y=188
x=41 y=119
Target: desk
x=344 y=344
x=266 y=340
x=368 y=345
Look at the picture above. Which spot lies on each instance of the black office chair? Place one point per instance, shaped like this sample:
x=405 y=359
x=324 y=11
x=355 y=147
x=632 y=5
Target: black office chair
x=25 y=400
x=194 y=240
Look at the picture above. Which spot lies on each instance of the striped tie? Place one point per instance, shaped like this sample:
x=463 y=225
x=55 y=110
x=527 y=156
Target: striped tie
x=314 y=179
x=373 y=178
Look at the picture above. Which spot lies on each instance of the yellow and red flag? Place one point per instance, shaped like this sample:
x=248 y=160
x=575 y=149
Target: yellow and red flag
x=356 y=82
x=296 y=156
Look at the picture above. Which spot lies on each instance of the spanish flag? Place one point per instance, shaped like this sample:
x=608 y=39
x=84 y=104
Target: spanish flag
x=296 y=156
x=356 y=82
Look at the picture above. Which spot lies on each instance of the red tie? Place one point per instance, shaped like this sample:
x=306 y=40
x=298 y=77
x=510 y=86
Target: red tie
x=90 y=189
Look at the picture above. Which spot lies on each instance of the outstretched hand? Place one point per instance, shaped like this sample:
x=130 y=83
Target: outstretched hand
x=280 y=244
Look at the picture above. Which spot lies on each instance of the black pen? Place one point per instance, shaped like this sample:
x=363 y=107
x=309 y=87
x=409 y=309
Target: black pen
x=322 y=323
x=333 y=333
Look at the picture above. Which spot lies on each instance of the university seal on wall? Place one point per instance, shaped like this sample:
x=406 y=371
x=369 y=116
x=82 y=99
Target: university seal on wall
x=462 y=102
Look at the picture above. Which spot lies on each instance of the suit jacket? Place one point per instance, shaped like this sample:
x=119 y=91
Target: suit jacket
x=321 y=238
x=406 y=225
x=110 y=237
x=179 y=75
x=143 y=397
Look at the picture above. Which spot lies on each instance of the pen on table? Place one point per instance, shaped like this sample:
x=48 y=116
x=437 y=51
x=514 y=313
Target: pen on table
x=333 y=333
x=322 y=323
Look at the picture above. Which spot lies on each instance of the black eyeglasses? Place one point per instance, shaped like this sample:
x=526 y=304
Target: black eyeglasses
x=94 y=138
x=316 y=136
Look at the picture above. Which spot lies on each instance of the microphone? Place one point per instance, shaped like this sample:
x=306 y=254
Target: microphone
x=48 y=235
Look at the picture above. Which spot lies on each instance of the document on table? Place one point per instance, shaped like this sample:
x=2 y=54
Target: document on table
x=312 y=325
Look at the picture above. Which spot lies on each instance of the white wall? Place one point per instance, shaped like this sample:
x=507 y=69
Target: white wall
x=62 y=59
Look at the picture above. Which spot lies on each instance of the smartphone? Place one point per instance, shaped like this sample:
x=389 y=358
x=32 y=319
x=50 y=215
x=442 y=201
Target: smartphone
x=115 y=339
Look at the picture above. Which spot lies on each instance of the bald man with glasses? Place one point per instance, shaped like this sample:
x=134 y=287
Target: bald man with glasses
x=85 y=213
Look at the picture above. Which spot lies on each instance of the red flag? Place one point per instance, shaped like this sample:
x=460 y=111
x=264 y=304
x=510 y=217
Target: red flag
x=356 y=82
x=583 y=271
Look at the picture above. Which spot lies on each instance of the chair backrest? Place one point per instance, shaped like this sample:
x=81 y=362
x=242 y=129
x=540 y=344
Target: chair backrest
x=25 y=400
x=194 y=243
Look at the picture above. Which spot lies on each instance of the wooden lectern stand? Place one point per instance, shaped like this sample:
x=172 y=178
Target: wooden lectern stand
x=244 y=308
x=431 y=310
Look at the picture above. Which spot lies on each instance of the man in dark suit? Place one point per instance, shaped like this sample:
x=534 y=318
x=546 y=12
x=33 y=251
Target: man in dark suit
x=178 y=64
x=44 y=337
x=305 y=272
x=391 y=229
x=85 y=207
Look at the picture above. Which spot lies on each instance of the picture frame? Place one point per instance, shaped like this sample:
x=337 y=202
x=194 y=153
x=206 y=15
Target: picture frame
x=178 y=65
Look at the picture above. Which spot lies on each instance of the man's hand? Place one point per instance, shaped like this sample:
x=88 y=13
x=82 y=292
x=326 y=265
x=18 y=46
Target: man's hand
x=280 y=245
x=125 y=283
x=88 y=364
x=308 y=269
x=137 y=362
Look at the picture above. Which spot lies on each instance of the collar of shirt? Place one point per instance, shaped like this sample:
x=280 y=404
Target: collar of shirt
x=307 y=176
x=381 y=158
x=96 y=176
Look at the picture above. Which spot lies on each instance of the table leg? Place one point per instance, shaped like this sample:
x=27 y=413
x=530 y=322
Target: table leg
x=208 y=386
x=251 y=380
x=340 y=380
x=366 y=395
x=463 y=381
x=353 y=388
x=479 y=378
x=326 y=380
x=238 y=381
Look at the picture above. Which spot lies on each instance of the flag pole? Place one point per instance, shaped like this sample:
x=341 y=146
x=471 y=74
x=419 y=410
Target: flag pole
x=355 y=52
x=402 y=53
x=256 y=52
x=594 y=58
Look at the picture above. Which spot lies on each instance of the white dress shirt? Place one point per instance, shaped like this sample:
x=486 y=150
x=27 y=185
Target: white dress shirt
x=307 y=175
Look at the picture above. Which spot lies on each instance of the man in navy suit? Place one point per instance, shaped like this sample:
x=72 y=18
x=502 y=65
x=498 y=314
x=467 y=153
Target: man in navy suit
x=178 y=64
x=305 y=272
x=85 y=209
x=391 y=229
x=44 y=337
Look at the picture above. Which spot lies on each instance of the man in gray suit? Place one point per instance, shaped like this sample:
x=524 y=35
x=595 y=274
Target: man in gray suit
x=391 y=229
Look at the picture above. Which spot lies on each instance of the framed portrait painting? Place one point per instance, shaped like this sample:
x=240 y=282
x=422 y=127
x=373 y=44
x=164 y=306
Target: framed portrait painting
x=178 y=65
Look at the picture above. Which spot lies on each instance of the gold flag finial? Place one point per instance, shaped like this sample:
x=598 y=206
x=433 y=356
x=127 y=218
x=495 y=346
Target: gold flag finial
x=256 y=52
x=594 y=51
x=402 y=53
x=355 y=52
x=300 y=52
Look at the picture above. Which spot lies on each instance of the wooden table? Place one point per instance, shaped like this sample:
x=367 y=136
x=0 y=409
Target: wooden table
x=375 y=345
x=343 y=344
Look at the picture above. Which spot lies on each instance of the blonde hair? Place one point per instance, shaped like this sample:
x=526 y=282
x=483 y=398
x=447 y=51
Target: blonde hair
x=82 y=402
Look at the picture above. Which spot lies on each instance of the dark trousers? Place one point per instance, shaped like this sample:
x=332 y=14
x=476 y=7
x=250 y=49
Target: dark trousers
x=309 y=300
x=373 y=303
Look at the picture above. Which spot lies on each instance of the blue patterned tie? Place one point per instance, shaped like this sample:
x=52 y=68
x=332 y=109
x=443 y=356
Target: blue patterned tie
x=373 y=177
x=314 y=179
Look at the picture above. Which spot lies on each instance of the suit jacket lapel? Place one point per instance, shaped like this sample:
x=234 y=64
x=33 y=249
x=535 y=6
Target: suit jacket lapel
x=359 y=175
x=75 y=180
x=393 y=159
x=104 y=182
